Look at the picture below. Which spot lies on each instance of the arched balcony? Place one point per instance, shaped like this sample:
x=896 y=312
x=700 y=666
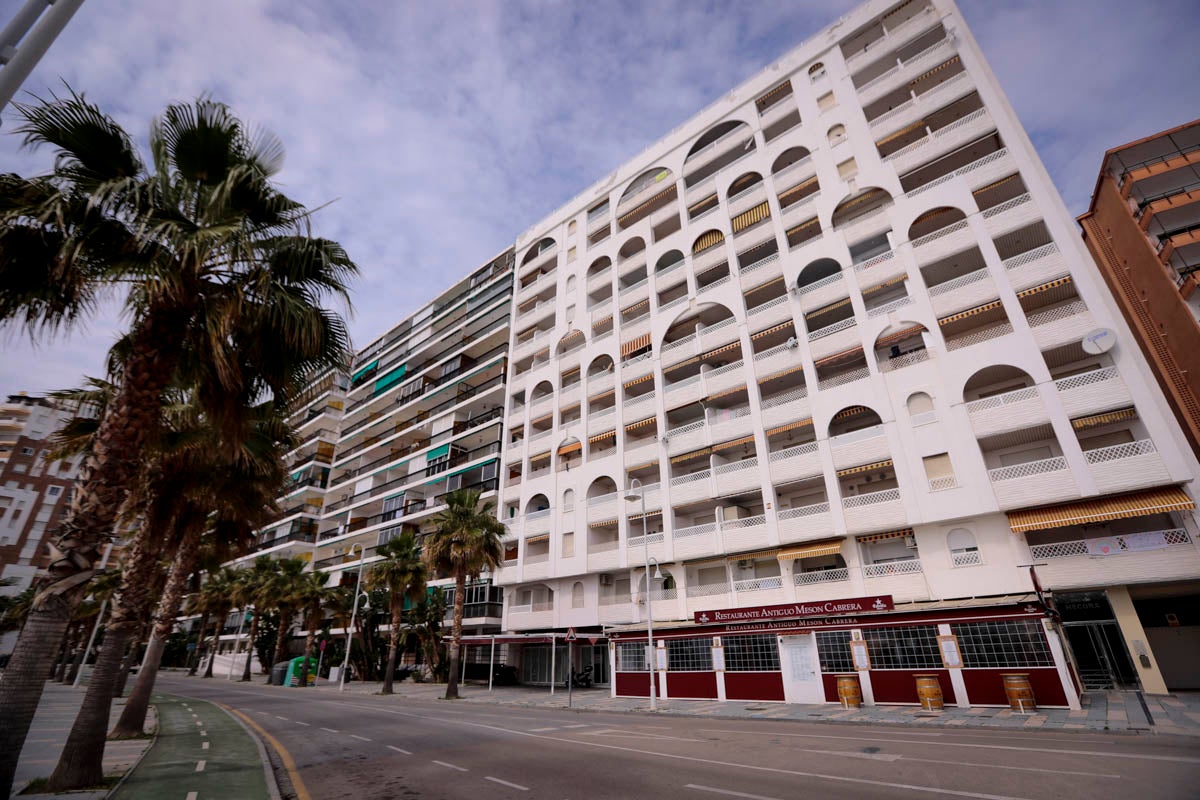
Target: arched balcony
x=901 y=345
x=716 y=149
x=652 y=194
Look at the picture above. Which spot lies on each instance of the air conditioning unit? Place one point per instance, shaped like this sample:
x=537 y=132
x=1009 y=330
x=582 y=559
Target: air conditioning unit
x=910 y=542
x=792 y=343
x=745 y=563
x=606 y=580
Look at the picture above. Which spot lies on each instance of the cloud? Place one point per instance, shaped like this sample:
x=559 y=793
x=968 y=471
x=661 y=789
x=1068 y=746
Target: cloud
x=440 y=131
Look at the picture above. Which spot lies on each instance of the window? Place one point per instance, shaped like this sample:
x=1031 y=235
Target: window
x=26 y=451
x=568 y=544
x=20 y=468
x=631 y=657
x=1002 y=643
x=54 y=491
x=847 y=169
x=833 y=651
x=939 y=472
x=837 y=134
x=826 y=102
x=816 y=72
x=963 y=550
x=913 y=647
x=571 y=227
x=577 y=595
x=571 y=250
x=920 y=408
x=689 y=655
x=754 y=653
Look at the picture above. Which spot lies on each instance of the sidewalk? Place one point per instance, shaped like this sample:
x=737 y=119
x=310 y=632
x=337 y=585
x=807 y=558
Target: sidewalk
x=48 y=735
x=1102 y=712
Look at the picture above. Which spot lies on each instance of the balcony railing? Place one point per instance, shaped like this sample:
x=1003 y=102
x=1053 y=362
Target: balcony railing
x=1028 y=469
x=821 y=576
x=759 y=584
x=871 y=498
x=911 y=566
x=1117 y=452
x=1128 y=543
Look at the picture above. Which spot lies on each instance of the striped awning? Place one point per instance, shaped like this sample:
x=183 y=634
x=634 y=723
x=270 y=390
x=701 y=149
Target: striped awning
x=637 y=467
x=641 y=423
x=906 y=129
x=605 y=393
x=868 y=194
x=696 y=205
x=540 y=457
x=752 y=556
x=1045 y=286
x=647 y=515
x=816 y=312
x=852 y=411
x=791 y=426
x=542 y=418
x=602 y=436
x=571 y=336
x=825 y=547
x=899 y=336
x=803 y=225
x=747 y=218
x=567 y=373
x=970 y=312
x=643 y=206
x=642 y=304
x=604 y=523
x=773 y=329
x=635 y=344
x=570 y=447
x=703 y=451
x=734 y=443
x=722 y=349
x=1138 y=504
x=937 y=212
x=708 y=240
x=879 y=537
x=636 y=381
x=837 y=358
x=995 y=185
x=781 y=373
x=768 y=97
x=600 y=322
x=890 y=282
x=947 y=63
x=545 y=537
x=797 y=189
x=727 y=392
x=841 y=473
x=1096 y=420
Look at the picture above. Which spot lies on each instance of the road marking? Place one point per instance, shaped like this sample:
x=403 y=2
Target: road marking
x=580 y=725
x=636 y=735
x=200 y=765
x=399 y=750
x=285 y=719
x=192 y=795
x=289 y=764
x=540 y=730
x=204 y=745
x=715 y=790
x=329 y=730
x=199 y=723
x=943 y=743
x=203 y=732
x=305 y=724
x=506 y=783
x=360 y=738
x=451 y=766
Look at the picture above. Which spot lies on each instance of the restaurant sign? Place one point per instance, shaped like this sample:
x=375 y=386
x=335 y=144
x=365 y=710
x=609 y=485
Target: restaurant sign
x=829 y=608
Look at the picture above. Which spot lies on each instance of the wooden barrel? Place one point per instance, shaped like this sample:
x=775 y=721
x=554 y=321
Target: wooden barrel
x=1019 y=692
x=929 y=692
x=849 y=692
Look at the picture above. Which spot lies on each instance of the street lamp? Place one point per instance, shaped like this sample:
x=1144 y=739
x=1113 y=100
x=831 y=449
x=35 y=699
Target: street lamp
x=638 y=492
x=358 y=593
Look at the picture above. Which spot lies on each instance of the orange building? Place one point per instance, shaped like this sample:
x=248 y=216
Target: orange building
x=1143 y=229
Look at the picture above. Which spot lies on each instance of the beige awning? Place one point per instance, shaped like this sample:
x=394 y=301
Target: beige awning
x=773 y=329
x=648 y=515
x=635 y=344
x=636 y=381
x=641 y=423
x=1096 y=420
x=707 y=240
x=825 y=547
x=781 y=373
x=734 y=443
x=1086 y=512
x=791 y=426
x=852 y=411
x=906 y=129
x=841 y=473
x=837 y=358
x=879 y=537
x=797 y=189
x=641 y=304
x=970 y=312
x=899 y=336
x=602 y=436
x=545 y=537
x=570 y=447
x=725 y=392
x=747 y=218
x=947 y=63
x=703 y=451
x=753 y=556
x=1045 y=286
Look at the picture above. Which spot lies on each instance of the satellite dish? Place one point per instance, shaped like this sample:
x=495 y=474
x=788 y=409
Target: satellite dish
x=1101 y=340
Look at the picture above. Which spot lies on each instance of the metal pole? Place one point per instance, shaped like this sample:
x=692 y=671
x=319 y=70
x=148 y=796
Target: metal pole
x=553 y=652
x=96 y=625
x=491 y=663
x=649 y=608
x=237 y=643
x=353 y=617
x=463 y=677
x=570 y=671
x=320 y=661
x=33 y=44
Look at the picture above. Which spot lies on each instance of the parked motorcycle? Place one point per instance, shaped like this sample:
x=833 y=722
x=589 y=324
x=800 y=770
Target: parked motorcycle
x=582 y=679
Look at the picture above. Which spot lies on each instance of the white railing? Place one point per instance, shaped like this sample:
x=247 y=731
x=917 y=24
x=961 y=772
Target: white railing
x=691 y=426
x=967 y=558
x=1029 y=256
x=805 y=449
x=871 y=498
x=632 y=287
x=680 y=480
x=675 y=345
x=785 y=398
x=856 y=436
x=887 y=308
x=953 y=227
x=534 y=515
x=939 y=133
x=906 y=360
x=943 y=483
x=762 y=262
x=726 y=278
x=821 y=576
x=672 y=303
x=923 y=418
x=602 y=417
x=539 y=558
x=771 y=351
x=707 y=589
x=940 y=44
x=634 y=406
x=844 y=378
x=958 y=283
x=744 y=522
x=735 y=466
x=667 y=270
x=537 y=437
x=804 y=511
x=601 y=499
x=1004 y=399
x=979 y=335
x=1086 y=378
x=1028 y=469
x=911 y=566
x=663 y=594
x=772 y=303
x=1055 y=314
x=828 y=280
x=642 y=541
x=851 y=226
x=603 y=547
x=840 y=325
x=1100 y=455
x=616 y=599
x=874 y=261
x=1127 y=543
x=525 y=609
x=974 y=165
x=758 y=584
x=546 y=605
x=694 y=530
x=790 y=169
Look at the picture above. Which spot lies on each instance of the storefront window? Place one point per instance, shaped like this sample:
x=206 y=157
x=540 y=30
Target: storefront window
x=913 y=647
x=689 y=655
x=755 y=653
x=1003 y=643
x=833 y=649
x=631 y=657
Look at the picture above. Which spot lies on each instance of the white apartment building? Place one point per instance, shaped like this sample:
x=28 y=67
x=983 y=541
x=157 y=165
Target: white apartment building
x=841 y=330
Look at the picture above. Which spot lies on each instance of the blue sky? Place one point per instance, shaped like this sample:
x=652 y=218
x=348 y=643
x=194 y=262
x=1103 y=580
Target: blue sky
x=439 y=131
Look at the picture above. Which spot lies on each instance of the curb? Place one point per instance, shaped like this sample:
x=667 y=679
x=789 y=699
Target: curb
x=268 y=765
x=133 y=767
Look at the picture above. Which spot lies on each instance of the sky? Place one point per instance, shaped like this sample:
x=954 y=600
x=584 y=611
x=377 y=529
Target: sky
x=434 y=133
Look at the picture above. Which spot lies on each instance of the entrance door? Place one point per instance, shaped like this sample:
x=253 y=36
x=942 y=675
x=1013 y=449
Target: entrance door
x=599 y=664
x=801 y=669
x=1101 y=655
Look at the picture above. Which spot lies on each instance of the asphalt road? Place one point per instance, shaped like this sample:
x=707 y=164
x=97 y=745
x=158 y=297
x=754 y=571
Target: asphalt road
x=358 y=746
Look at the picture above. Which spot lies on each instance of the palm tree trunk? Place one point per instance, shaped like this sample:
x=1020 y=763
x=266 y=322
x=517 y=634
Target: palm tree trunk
x=133 y=716
x=81 y=763
x=393 y=648
x=282 y=638
x=80 y=656
x=103 y=484
x=198 y=652
x=250 y=646
x=218 y=626
x=308 y=646
x=460 y=596
x=70 y=643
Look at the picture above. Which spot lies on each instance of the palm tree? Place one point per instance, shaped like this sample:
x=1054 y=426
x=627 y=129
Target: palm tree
x=402 y=573
x=214 y=598
x=252 y=589
x=465 y=543
x=313 y=596
x=286 y=590
x=219 y=270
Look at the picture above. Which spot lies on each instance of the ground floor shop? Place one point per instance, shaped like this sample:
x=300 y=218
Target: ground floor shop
x=798 y=654
x=538 y=659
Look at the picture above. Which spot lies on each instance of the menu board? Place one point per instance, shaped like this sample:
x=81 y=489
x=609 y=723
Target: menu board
x=951 y=656
x=859 y=655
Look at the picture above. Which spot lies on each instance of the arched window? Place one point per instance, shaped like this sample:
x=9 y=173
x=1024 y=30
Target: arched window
x=816 y=72
x=836 y=135
x=920 y=408
x=577 y=595
x=964 y=552
x=568 y=503
x=570 y=284
x=571 y=227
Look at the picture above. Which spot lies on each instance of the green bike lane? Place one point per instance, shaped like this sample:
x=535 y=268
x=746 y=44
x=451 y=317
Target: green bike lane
x=201 y=752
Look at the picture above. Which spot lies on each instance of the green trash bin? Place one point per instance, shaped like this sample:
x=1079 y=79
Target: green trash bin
x=296 y=668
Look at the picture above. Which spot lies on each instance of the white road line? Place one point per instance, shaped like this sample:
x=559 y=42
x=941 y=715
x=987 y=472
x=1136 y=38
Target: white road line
x=360 y=738
x=399 y=750
x=329 y=730
x=203 y=732
x=192 y=795
x=727 y=792
x=285 y=719
x=200 y=765
x=305 y=724
x=541 y=730
x=451 y=766
x=636 y=735
x=204 y=745
x=506 y=783
x=943 y=743
x=199 y=723
x=580 y=725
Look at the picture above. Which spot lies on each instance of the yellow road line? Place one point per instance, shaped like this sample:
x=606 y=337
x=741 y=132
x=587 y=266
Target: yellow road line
x=288 y=762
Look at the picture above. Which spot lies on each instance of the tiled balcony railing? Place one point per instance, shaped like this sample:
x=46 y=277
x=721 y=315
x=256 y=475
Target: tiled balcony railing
x=1131 y=465
x=1035 y=267
x=1020 y=408
x=823 y=292
x=862 y=446
x=795 y=463
x=821 y=576
x=1043 y=481
x=911 y=566
x=944 y=140
x=1061 y=324
x=965 y=291
x=1094 y=391
x=1010 y=215
x=1130 y=543
x=804 y=523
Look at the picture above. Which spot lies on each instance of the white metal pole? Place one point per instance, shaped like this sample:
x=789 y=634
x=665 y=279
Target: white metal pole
x=237 y=643
x=320 y=661
x=35 y=40
x=96 y=625
x=362 y=555
x=649 y=608
x=491 y=663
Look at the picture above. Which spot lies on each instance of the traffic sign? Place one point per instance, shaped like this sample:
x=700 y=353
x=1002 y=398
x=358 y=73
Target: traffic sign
x=571 y=635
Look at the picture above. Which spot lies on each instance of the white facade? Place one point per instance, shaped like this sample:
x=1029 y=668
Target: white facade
x=892 y=263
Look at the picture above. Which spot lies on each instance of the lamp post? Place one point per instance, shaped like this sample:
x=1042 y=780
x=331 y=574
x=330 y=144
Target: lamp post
x=358 y=592
x=638 y=492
